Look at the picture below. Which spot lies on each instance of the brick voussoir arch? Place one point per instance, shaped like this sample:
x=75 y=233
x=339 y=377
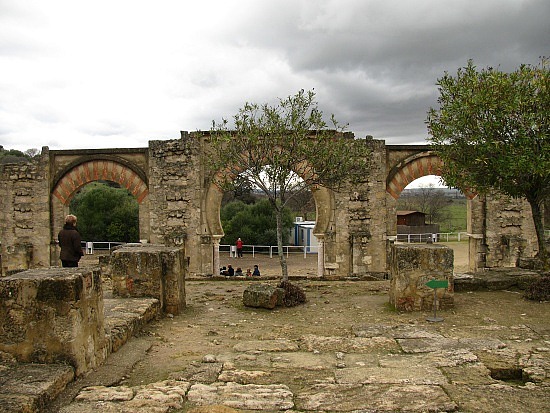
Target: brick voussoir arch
x=414 y=167
x=76 y=175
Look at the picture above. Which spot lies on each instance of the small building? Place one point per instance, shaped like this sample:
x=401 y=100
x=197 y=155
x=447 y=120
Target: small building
x=412 y=227
x=411 y=218
x=302 y=235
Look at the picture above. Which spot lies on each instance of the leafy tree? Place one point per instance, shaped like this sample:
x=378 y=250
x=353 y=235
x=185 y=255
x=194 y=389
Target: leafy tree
x=272 y=146
x=241 y=190
x=492 y=133
x=429 y=200
x=303 y=204
x=13 y=156
x=253 y=223
x=106 y=213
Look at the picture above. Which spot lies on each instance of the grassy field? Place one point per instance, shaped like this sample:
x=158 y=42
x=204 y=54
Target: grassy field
x=456 y=212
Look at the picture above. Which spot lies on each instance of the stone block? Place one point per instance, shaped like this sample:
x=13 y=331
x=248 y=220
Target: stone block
x=150 y=270
x=412 y=266
x=262 y=296
x=53 y=315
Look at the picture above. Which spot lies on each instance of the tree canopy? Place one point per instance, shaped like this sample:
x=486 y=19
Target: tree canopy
x=16 y=156
x=285 y=149
x=106 y=213
x=254 y=223
x=492 y=133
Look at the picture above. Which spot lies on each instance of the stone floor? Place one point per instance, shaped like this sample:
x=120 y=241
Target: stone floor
x=250 y=361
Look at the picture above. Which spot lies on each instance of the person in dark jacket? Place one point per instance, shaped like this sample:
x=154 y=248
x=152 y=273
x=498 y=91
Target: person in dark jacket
x=70 y=243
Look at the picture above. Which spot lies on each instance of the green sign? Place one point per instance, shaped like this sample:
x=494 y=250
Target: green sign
x=438 y=283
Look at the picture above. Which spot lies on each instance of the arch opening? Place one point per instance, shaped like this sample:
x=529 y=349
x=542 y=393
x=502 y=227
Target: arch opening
x=322 y=199
x=429 y=211
x=99 y=170
x=80 y=174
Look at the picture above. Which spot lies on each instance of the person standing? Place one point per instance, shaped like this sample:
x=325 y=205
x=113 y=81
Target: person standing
x=70 y=243
x=239 y=248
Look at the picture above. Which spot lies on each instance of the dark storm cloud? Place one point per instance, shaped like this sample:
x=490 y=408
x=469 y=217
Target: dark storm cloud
x=378 y=64
x=134 y=71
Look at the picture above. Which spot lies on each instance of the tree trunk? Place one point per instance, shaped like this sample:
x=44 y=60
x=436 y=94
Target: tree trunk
x=539 y=228
x=280 y=252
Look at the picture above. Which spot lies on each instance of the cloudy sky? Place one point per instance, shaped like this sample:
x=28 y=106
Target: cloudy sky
x=117 y=73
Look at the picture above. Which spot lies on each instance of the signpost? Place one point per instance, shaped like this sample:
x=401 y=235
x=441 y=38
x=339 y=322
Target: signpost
x=435 y=284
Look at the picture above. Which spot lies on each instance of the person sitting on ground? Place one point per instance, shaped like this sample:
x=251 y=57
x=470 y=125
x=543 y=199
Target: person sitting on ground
x=248 y=272
x=230 y=270
x=223 y=271
x=239 y=271
x=256 y=271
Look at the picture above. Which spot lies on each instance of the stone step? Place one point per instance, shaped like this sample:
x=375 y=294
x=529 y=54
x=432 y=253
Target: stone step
x=30 y=387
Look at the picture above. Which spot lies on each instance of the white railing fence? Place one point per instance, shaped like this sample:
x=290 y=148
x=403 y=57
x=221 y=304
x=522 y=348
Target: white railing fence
x=90 y=246
x=438 y=237
x=269 y=249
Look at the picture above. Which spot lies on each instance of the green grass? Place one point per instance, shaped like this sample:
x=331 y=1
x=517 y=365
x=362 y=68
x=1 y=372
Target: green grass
x=457 y=216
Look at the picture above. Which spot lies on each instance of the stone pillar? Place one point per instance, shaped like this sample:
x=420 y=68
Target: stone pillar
x=149 y=270
x=321 y=257
x=53 y=315
x=216 y=251
x=413 y=265
x=144 y=228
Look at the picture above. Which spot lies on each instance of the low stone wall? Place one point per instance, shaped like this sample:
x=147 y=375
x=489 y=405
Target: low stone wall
x=412 y=266
x=54 y=315
x=149 y=270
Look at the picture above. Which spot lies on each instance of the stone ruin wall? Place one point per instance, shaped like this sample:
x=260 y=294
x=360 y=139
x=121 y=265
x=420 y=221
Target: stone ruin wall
x=175 y=213
x=175 y=189
x=502 y=231
x=25 y=214
x=360 y=227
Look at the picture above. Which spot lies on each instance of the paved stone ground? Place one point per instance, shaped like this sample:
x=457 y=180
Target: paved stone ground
x=343 y=351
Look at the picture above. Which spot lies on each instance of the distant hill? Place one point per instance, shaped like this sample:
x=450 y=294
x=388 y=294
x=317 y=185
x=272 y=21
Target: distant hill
x=448 y=192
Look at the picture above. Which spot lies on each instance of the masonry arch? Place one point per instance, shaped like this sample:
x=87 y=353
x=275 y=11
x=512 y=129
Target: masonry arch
x=212 y=226
x=411 y=168
x=88 y=169
x=81 y=172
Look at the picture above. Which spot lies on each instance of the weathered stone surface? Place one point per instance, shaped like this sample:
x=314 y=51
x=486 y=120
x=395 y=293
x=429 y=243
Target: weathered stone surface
x=374 y=398
x=266 y=345
x=212 y=409
x=262 y=296
x=199 y=372
x=473 y=374
x=412 y=267
x=153 y=271
x=248 y=396
x=303 y=361
x=243 y=376
x=392 y=331
x=158 y=397
x=32 y=386
x=53 y=315
x=126 y=316
x=105 y=394
x=495 y=279
x=349 y=344
x=418 y=374
x=447 y=344
x=509 y=399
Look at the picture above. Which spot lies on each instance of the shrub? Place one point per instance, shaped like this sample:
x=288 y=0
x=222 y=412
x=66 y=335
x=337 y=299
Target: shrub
x=539 y=290
x=294 y=295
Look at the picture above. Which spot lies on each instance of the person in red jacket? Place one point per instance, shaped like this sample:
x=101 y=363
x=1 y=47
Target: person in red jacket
x=70 y=243
x=239 y=248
